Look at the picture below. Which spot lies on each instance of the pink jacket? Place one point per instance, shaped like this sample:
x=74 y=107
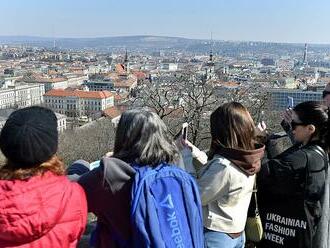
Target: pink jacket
x=42 y=211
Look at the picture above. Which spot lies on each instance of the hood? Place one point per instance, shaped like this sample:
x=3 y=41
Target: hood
x=31 y=208
x=248 y=161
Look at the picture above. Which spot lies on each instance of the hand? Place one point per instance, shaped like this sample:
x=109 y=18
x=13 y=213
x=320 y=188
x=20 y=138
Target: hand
x=109 y=154
x=182 y=143
x=262 y=126
x=287 y=115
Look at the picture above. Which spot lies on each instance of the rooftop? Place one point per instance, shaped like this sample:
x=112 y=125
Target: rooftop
x=79 y=93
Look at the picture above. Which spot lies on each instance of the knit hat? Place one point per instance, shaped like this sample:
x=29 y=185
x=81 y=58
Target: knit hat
x=29 y=136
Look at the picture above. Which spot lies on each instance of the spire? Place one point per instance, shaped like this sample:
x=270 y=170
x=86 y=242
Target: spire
x=210 y=64
x=126 y=56
x=126 y=62
x=305 y=62
x=211 y=49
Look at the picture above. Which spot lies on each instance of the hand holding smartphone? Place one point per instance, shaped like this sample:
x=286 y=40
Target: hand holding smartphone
x=290 y=102
x=184 y=131
x=287 y=116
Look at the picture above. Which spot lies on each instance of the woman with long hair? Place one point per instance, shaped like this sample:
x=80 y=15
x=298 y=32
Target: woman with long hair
x=294 y=185
x=226 y=180
x=142 y=141
x=39 y=206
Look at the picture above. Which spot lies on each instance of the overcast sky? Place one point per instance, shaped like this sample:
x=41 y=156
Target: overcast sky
x=257 y=20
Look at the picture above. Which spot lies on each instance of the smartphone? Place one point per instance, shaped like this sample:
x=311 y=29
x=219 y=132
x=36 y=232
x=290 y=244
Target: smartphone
x=184 y=131
x=290 y=102
x=262 y=116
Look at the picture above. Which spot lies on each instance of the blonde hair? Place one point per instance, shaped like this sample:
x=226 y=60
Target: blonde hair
x=54 y=164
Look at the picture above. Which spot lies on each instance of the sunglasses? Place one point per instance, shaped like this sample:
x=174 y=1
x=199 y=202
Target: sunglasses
x=295 y=124
x=325 y=93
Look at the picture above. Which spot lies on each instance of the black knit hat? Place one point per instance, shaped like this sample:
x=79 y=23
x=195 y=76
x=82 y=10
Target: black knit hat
x=29 y=136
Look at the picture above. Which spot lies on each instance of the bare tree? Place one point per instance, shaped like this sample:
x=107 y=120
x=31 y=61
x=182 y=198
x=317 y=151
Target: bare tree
x=90 y=142
x=190 y=97
x=187 y=97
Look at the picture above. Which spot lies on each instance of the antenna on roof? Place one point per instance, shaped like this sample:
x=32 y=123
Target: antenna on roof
x=211 y=47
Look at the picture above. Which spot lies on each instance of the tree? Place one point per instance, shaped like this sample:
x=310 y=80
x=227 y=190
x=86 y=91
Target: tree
x=90 y=142
x=187 y=97
x=190 y=97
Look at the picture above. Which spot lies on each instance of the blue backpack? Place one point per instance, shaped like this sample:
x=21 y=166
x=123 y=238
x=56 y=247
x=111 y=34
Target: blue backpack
x=165 y=208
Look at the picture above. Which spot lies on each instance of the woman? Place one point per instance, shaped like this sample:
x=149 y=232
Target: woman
x=141 y=140
x=39 y=206
x=294 y=186
x=226 y=181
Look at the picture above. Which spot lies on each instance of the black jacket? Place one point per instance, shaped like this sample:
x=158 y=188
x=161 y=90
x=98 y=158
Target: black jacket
x=108 y=189
x=293 y=191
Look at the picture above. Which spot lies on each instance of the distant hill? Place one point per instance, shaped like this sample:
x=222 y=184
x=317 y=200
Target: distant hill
x=101 y=42
x=156 y=43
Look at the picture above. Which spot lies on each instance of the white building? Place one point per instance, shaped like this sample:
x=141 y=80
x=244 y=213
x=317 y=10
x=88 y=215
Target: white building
x=99 y=85
x=54 y=83
x=78 y=103
x=279 y=97
x=61 y=122
x=75 y=80
x=169 y=66
x=21 y=95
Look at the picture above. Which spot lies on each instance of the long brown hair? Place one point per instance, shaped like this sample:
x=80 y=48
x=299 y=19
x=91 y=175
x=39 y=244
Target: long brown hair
x=10 y=172
x=232 y=127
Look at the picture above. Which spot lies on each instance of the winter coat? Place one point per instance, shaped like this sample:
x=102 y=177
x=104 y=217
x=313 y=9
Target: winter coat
x=43 y=211
x=226 y=184
x=293 y=191
x=108 y=189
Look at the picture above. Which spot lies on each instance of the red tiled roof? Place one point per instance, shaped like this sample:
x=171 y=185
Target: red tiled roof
x=49 y=80
x=140 y=74
x=230 y=84
x=120 y=68
x=118 y=97
x=112 y=112
x=125 y=83
x=79 y=93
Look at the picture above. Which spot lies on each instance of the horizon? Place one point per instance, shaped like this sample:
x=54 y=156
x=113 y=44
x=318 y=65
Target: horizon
x=278 y=21
x=160 y=36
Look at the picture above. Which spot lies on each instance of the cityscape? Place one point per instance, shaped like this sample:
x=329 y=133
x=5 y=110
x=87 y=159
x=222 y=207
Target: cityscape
x=86 y=83
x=158 y=123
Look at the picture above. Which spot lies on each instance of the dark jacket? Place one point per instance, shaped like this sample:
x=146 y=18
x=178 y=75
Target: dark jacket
x=108 y=189
x=292 y=188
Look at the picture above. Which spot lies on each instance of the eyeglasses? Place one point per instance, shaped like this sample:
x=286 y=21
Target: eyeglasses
x=325 y=93
x=295 y=124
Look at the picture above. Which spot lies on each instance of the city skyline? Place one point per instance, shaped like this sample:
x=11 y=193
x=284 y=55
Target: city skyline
x=270 y=21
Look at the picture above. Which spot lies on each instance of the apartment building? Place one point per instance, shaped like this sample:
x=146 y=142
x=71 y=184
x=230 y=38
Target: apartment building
x=78 y=103
x=21 y=95
x=279 y=97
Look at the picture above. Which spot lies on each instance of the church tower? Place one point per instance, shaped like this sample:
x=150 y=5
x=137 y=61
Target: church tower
x=305 y=62
x=210 y=63
x=126 y=62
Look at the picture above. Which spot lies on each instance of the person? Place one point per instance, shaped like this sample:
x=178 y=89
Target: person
x=39 y=206
x=226 y=180
x=287 y=116
x=294 y=185
x=141 y=140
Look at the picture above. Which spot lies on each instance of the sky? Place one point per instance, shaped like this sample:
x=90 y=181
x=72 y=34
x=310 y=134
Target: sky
x=255 y=20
